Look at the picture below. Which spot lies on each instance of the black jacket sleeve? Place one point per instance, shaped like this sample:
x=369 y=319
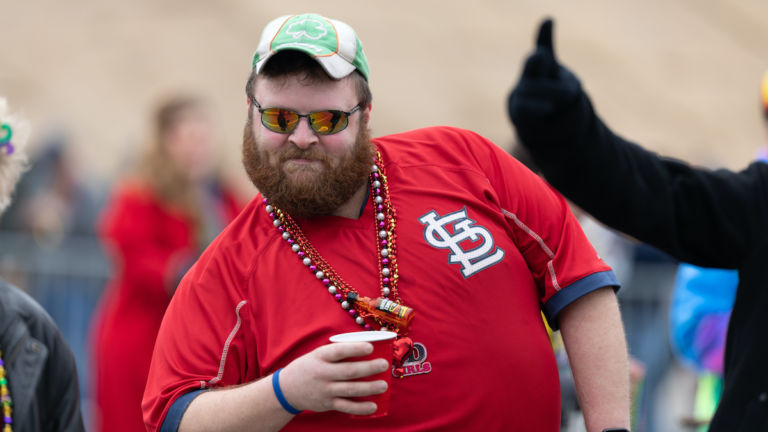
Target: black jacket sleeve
x=696 y=215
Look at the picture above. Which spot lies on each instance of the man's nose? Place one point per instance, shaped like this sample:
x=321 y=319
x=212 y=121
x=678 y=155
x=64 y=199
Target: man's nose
x=303 y=136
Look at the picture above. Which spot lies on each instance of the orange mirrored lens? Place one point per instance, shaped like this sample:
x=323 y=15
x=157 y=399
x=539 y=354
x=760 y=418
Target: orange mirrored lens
x=323 y=122
x=279 y=120
x=328 y=122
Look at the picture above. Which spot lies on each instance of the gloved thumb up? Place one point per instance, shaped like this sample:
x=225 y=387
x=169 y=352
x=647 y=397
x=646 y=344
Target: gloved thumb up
x=542 y=62
x=545 y=87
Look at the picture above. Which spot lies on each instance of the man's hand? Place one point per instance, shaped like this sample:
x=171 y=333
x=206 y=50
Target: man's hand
x=545 y=87
x=324 y=379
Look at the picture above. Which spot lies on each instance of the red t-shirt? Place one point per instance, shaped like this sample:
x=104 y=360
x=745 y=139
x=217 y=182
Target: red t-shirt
x=483 y=246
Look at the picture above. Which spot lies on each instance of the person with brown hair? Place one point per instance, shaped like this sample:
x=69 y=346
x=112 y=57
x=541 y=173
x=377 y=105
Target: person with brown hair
x=38 y=377
x=158 y=221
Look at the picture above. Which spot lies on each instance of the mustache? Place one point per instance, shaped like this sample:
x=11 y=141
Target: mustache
x=308 y=154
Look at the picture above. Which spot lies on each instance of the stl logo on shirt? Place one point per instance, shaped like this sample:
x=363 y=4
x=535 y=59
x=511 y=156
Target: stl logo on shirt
x=477 y=257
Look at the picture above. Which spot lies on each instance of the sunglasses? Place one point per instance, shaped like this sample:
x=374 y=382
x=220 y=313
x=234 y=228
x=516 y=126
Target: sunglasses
x=284 y=121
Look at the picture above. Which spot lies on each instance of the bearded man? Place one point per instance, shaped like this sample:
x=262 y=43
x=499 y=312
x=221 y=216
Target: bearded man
x=439 y=223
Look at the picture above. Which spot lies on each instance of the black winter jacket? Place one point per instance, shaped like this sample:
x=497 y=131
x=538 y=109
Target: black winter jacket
x=40 y=368
x=711 y=218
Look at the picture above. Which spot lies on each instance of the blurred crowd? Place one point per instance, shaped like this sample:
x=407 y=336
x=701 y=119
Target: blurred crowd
x=104 y=259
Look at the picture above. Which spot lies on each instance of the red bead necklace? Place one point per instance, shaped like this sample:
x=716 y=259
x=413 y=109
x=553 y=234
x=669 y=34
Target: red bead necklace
x=387 y=312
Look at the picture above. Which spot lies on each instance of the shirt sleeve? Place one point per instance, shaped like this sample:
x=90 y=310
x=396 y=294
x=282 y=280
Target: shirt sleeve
x=203 y=338
x=176 y=411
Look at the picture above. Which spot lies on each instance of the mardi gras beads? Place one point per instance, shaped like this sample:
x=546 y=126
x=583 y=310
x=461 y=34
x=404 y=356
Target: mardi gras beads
x=5 y=398
x=6 y=133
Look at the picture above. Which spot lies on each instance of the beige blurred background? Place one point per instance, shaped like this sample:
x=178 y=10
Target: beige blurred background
x=681 y=77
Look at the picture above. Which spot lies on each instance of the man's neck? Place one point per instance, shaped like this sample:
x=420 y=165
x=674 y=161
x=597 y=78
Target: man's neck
x=351 y=208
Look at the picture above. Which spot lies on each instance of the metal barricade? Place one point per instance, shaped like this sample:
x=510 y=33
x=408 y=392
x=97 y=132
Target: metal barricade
x=66 y=276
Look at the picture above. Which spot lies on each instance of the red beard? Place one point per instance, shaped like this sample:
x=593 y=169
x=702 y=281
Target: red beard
x=317 y=193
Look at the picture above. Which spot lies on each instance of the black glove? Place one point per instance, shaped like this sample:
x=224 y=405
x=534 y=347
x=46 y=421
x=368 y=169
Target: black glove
x=545 y=88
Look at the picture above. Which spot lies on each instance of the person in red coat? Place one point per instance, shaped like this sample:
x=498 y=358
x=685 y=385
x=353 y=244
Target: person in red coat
x=156 y=224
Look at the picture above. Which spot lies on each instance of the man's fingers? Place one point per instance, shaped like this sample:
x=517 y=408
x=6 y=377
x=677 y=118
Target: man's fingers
x=348 y=389
x=544 y=40
x=354 y=408
x=339 y=351
x=347 y=371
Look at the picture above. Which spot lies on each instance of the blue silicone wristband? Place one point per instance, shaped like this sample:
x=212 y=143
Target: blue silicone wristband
x=279 y=393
